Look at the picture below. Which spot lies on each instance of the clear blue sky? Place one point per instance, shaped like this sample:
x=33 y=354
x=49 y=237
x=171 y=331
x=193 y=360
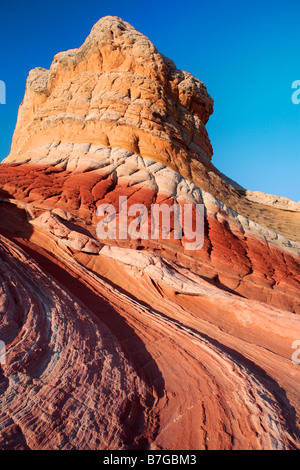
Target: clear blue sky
x=246 y=52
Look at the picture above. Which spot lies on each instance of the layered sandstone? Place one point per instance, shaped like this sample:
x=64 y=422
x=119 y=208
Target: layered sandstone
x=152 y=345
x=116 y=90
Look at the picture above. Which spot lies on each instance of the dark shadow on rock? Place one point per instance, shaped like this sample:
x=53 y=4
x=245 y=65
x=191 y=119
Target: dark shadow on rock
x=13 y=218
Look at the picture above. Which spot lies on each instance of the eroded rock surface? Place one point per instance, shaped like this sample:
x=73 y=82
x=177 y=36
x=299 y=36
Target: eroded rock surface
x=139 y=343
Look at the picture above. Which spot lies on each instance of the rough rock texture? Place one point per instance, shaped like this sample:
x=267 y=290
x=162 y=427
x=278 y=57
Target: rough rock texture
x=123 y=92
x=275 y=201
x=134 y=343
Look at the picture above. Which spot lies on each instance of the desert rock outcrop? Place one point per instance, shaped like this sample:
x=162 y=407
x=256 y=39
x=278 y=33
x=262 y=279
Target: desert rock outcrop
x=139 y=343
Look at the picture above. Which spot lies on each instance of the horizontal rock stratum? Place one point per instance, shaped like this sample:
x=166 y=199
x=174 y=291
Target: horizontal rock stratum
x=139 y=344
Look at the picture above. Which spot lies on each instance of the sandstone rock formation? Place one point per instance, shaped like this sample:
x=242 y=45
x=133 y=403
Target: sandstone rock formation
x=139 y=343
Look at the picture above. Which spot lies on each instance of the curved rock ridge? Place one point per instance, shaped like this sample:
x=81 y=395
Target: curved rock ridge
x=139 y=343
x=81 y=391
x=239 y=253
x=61 y=361
x=272 y=200
x=119 y=167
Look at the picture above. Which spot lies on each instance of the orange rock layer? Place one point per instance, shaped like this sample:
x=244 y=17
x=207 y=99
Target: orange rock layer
x=139 y=344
